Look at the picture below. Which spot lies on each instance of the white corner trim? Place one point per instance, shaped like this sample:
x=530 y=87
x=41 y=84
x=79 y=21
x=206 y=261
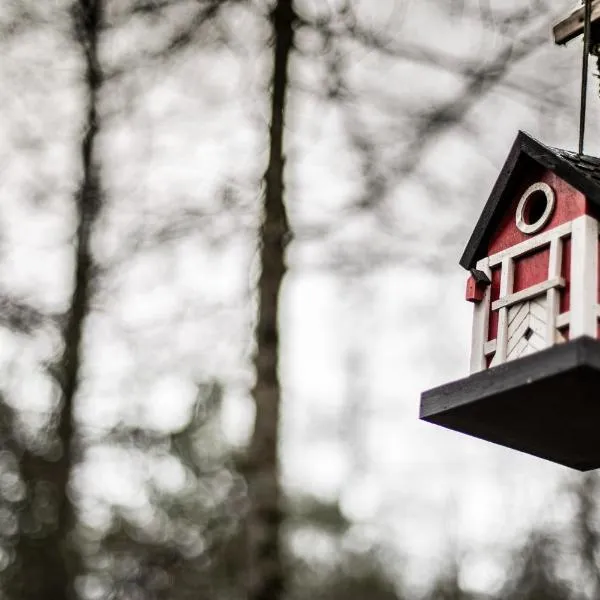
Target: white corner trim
x=584 y=277
x=553 y=296
x=479 y=332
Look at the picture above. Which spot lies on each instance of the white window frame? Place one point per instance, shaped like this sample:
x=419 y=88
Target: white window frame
x=529 y=228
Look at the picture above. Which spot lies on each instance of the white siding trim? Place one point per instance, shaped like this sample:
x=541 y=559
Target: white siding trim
x=528 y=294
x=542 y=239
x=584 y=277
x=489 y=347
x=563 y=320
x=553 y=298
x=481 y=315
x=506 y=287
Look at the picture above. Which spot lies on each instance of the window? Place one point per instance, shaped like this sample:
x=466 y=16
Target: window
x=535 y=208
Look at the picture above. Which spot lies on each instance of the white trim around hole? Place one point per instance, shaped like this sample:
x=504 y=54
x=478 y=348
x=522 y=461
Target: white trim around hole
x=529 y=228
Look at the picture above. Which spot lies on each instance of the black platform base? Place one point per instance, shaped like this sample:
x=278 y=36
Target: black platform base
x=546 y=404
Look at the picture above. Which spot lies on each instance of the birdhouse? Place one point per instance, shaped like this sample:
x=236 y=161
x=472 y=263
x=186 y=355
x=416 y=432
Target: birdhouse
x=533 y=263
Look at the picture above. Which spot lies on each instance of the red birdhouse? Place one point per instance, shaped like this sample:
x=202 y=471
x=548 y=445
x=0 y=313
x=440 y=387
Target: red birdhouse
x=534 y=280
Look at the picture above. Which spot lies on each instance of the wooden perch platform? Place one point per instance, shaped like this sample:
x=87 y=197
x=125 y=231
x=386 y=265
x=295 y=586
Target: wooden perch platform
x=546 y=404
x=572 y=26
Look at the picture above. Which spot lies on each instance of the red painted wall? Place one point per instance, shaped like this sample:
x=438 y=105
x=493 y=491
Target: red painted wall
x=533 y=268
x=570 y=204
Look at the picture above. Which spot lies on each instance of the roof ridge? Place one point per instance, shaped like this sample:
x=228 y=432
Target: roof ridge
x=575 y=155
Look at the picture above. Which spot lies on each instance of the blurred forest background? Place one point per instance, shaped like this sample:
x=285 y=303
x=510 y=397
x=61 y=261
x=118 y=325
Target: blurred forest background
x=252 y=213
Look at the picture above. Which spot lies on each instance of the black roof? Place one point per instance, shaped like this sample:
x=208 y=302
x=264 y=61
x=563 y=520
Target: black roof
x=579 y=170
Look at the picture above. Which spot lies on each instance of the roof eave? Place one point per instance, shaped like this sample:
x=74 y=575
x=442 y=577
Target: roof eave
x=470 y=254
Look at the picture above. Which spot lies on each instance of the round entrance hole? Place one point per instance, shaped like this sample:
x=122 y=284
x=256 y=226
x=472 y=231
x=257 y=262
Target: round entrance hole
x=535 y=208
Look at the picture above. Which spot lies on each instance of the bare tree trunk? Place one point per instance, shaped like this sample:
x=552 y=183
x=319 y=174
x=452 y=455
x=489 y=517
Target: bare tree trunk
x=586 y=530
x=265 y=564
x=47 y=559
x=88 y=23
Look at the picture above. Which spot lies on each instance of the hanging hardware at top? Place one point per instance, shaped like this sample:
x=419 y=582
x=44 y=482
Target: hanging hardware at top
x=584 y=20
x=587 y=44
x=573 y=26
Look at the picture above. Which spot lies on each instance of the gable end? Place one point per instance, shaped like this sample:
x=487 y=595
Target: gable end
x=580 y=171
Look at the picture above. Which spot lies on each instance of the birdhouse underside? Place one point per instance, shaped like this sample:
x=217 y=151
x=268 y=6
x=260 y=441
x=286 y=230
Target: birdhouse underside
x=535 y=287
x=546 y=404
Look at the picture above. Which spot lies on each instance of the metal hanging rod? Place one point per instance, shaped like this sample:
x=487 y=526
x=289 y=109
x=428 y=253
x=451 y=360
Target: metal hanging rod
x=587 y=25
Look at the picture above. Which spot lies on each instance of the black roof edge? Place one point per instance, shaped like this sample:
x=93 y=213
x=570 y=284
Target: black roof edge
x=545 y=156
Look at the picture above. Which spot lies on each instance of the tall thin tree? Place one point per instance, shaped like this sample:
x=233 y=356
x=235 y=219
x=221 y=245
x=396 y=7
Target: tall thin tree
x=265 y=564
x=46 y=557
